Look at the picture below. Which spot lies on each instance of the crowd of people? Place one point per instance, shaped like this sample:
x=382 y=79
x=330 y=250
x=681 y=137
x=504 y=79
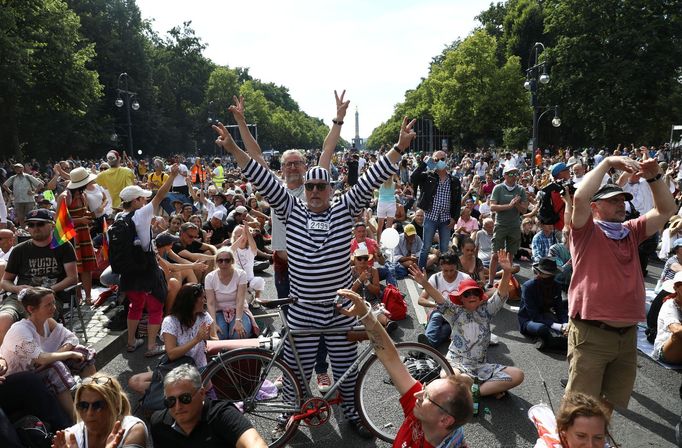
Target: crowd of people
x=187 y=238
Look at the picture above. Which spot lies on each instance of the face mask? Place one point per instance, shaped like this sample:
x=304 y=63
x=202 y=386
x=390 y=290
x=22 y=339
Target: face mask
x=441 y=165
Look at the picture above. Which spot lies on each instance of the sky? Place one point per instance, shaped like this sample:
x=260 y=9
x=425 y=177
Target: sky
x=374 y=49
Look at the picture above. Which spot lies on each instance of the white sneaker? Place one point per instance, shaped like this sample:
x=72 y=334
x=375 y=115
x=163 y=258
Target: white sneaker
x=494 y=340
x=324 y=383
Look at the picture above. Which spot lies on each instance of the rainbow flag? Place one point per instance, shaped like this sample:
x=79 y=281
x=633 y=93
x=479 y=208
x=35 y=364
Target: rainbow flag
x=105 y=240
x=63 y=226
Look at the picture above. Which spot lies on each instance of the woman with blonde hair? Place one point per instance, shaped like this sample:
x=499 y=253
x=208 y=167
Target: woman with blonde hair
x=103 y=418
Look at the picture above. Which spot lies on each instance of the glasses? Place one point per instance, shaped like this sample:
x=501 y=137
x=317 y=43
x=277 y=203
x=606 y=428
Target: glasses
x=471 y=293
x=97 y=406
x=185 y=398
x=293 y=164
x=438 y=160
x=512 y=174
x=311 y=187
x=362 y=258
x=223 y=260
x=427 y=397
x=31 y=225
x=101 y=380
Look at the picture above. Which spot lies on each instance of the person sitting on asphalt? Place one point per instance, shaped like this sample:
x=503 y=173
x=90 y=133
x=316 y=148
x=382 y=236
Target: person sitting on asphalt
x=543 y=240
x=190 y=247
x=191 y=420
x=407 y=252
x=38 y=343
x=581 y=422
x=366 y=283
x=103 y=416
x=446 y=282
x=435 y=413
x=543 y=314
x=469 y=346
x=244 y=250
x=668 y=343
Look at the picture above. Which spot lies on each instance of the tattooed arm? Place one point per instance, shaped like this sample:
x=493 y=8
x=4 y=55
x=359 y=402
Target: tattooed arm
x=381 y=342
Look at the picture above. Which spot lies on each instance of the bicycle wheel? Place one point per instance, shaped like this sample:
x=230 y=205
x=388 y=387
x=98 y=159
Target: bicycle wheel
x=242 y=376
x=378 y=401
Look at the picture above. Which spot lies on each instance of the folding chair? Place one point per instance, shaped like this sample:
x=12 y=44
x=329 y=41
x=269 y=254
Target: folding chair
x=74 y=292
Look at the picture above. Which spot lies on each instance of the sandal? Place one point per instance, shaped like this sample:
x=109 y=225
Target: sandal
x=155 y=351
x=137 y=344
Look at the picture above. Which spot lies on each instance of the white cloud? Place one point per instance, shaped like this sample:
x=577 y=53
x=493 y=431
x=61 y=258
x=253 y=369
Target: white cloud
x=375 y=49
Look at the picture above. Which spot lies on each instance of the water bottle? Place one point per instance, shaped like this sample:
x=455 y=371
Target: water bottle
x=476 y=394
x=270 y=343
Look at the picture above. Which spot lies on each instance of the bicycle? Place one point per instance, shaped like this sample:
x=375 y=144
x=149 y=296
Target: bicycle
x=249 y=377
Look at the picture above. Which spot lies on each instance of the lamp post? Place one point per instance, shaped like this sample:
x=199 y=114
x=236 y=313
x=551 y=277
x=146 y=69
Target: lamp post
x=536 y=74
x=130 y=103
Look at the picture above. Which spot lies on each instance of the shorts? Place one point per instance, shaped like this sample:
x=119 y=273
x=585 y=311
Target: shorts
x=14 y=308
x=386 y=209
x=508 y=238
x=140 y=300
x=602 y=363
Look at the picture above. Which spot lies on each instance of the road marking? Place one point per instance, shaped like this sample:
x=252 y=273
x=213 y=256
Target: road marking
x=414 y=298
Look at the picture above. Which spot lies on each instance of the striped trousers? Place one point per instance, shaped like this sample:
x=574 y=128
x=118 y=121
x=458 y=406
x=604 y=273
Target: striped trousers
x=342 y=353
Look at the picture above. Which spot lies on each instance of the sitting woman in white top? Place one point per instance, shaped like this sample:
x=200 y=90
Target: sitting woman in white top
x=40 y=344
x=104 y=418
x=226 y=299
x=245 y=250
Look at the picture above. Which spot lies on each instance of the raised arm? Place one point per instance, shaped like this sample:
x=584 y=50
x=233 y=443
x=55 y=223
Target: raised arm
x=419 y=277
x=664 y=203
x=165 y=188
x=332 y=138
x=250 y=143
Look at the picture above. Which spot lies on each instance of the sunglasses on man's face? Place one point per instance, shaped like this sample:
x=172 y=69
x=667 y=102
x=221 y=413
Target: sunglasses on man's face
x=223 y=260
x=362 y=258
x=98 y=405
x=311 y=187
x=185 y=398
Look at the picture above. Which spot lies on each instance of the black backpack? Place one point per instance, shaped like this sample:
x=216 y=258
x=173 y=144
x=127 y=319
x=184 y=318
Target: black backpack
x=546 y=213
x=126 y=255
x=33 y=432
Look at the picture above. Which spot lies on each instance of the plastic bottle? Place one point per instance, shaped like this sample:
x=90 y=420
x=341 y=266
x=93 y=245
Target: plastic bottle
x=476 y=394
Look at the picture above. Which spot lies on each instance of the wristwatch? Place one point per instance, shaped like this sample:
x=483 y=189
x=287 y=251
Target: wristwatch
x=655 y=178
x=335 y=121
x=400 y=151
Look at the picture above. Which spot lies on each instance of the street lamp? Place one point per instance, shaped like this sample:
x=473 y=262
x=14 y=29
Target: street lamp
x=536 y=74
x=130 y=103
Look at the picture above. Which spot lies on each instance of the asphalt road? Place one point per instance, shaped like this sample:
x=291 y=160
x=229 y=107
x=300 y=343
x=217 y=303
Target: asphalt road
x=649 y=421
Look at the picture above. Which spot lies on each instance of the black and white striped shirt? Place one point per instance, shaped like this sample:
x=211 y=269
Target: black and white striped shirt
x=318 y=244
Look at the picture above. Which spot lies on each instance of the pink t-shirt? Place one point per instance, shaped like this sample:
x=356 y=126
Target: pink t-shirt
x=607 y=282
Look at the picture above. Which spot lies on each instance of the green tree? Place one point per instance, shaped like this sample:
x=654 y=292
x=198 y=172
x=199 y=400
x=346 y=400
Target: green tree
x=47 y=85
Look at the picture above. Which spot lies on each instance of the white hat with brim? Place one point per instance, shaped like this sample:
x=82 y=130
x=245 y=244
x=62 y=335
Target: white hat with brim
x=133 y=192
x=669 y=285
x=80 y=177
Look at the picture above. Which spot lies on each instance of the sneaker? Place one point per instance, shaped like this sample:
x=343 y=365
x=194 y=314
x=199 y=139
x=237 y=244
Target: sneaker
x=391 y=326
x=564 y=382
x=540 y=345
x=360 y=429
x=494 y=340
x=324 y=383
x=422 y=339
x=279 y=383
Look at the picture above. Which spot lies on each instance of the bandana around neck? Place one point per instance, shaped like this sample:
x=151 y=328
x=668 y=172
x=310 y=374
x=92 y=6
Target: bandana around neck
x=613 y=230
x=512 y=188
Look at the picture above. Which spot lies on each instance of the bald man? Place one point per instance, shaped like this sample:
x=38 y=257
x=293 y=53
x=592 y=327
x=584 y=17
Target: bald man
x=440 y=196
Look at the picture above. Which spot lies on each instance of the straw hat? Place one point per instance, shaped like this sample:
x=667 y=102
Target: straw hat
x=79 y=177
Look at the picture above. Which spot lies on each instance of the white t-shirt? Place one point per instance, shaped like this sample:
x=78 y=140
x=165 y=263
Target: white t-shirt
x=225 y=294
x=143 y=224
x=279 y=236
x=172 y=325
x=670 y=313
x=128 y=422
x=481 y=168
x=179 y=180
x=95 y=197
x=444 y=287
x=244 y=259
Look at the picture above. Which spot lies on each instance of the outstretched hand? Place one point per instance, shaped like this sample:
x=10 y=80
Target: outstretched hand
x=624 y=164
x=237 y=108
x=417 y=274
x=358 y=308
x=504 y=261
x=224 y=139
x=407 y=134
x=115 y=436
x=649 y=168
x=60 y=440
x=341 y=105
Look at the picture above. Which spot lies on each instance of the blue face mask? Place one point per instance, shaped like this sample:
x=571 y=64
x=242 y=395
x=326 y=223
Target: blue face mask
x=441 y=165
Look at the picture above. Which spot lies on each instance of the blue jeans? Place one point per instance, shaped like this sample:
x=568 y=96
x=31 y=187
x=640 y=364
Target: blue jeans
x=226 y=328
x=386 y=274
x=437 y=329
x=536 y=329
x=430 y=228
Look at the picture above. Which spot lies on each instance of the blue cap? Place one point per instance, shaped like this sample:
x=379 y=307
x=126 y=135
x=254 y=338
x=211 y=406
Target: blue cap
x=557 y=168
x=677 y=243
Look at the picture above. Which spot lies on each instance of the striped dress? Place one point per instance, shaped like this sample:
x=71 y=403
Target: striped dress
x=318 y=246
x=85 y=251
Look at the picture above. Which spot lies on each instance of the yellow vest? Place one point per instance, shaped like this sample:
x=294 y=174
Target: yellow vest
x=220 y=178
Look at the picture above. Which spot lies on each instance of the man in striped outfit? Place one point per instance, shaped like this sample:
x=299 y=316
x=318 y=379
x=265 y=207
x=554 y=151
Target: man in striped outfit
x=318 y=237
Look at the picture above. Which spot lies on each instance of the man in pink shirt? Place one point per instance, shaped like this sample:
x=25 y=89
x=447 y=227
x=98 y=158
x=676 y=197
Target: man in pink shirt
x=606 y=296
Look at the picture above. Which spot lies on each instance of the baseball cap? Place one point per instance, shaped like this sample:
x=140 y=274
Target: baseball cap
x=509 y=169
x=241 y=209
x=218 y=214
x=410 y=230
x=610 y=190
x=558 y=168
x=164 y=239
x=133 y=192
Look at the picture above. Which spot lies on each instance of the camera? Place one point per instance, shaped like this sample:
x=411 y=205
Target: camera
x=569 y=186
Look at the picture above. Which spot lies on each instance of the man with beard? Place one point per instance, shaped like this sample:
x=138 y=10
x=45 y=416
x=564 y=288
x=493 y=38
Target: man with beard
x=115 y=178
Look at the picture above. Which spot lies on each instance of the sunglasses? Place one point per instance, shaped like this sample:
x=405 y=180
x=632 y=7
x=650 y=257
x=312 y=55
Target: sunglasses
x=97 y=406
x=31 y=225
x=223 y=260
x=185 y=398
x=427 y=397
x=362 y=258
x=471 y=292
x=512 y=174
x=311 y=187
x=438 y=160
x=101 y=380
